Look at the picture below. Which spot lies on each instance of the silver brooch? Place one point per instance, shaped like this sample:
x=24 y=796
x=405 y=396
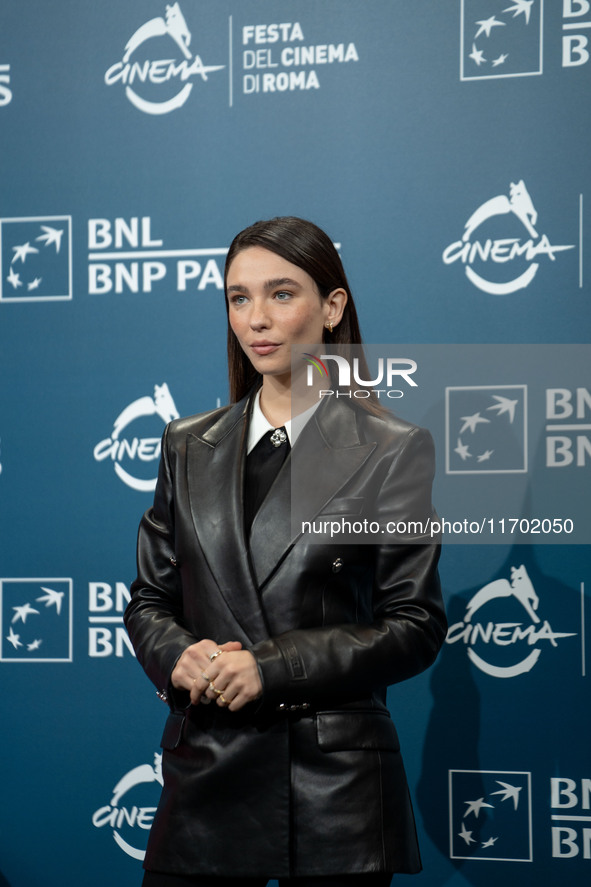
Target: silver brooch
x=278 y=437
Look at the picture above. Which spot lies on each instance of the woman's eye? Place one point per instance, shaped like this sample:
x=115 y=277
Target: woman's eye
x=238 y=300
x=283 y=296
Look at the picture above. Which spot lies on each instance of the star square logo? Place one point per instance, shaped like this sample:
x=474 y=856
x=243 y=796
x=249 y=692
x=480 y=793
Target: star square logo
x=35 y=620
x=486 y=429
x=36 y=259
x=490 y=815
x=501 y=38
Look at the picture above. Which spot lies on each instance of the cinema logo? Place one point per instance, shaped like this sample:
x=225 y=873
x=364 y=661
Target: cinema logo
x=346 y=375
x=128 y=447
x=508 y=648
x=156 y=78
x=489 y=259
x=132 y=806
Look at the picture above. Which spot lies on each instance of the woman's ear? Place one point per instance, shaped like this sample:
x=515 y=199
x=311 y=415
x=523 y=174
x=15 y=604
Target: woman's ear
x=334 y=306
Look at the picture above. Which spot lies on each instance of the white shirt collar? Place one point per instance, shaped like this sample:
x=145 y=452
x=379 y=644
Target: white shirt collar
x=259 y=425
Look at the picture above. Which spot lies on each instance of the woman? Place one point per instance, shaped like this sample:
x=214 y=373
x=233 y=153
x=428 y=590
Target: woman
x=274 y=650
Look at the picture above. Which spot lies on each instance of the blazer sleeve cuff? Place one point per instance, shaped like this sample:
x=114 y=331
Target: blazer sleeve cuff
x=282 y=671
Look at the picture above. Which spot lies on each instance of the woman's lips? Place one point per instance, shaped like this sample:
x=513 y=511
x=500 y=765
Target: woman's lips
x=264 y=347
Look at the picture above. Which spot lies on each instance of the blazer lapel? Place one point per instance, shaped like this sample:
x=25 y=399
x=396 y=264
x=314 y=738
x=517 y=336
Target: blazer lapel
x=326 y=455
x=215 y=477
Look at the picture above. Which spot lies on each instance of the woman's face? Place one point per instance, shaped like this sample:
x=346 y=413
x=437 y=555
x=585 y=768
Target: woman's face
x=273 y=305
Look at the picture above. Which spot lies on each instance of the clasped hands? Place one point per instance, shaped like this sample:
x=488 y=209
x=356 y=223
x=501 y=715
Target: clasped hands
x=230 y=677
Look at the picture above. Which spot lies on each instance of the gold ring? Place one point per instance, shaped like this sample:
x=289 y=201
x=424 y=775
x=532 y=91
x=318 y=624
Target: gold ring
x=215 y=654
x=223 y=699
x=215 y=689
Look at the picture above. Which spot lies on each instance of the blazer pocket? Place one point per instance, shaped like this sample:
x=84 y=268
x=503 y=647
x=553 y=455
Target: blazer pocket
x=350 y=505
x=346 y=731
x=173 y=731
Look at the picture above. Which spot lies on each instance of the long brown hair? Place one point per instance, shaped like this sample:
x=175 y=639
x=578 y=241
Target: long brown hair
x=306 y=245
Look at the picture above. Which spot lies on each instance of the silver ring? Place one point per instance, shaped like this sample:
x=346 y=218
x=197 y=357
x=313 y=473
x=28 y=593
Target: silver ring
x=215 y=655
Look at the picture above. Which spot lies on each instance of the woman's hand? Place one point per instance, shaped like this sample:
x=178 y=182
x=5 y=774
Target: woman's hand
x=234 y=679
x=193 y=664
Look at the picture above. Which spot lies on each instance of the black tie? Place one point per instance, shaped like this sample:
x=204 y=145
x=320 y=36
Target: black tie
x=262 y=466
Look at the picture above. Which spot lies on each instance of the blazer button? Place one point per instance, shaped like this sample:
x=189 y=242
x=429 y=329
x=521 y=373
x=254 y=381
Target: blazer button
x=337 y=565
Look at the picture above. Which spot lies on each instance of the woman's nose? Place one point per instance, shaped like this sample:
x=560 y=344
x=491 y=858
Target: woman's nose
x=259 y=318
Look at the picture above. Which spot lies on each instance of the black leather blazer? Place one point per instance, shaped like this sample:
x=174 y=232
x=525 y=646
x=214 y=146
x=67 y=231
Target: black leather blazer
x=309 y=780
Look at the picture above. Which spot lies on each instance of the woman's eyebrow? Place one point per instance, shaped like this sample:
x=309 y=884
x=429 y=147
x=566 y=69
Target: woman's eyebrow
x=280 y=281
x=268 y=285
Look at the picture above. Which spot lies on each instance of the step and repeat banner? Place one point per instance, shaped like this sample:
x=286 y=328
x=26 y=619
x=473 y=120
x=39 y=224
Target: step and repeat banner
x=444 y=146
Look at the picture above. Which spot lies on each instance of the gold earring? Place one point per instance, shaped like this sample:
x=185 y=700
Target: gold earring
x=329 y=326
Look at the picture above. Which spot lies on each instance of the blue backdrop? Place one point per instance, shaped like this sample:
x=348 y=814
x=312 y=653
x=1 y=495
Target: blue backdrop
x=445 y=147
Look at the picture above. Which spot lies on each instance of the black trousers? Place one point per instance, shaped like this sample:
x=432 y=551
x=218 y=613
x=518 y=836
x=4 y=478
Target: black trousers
x=156 y=879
